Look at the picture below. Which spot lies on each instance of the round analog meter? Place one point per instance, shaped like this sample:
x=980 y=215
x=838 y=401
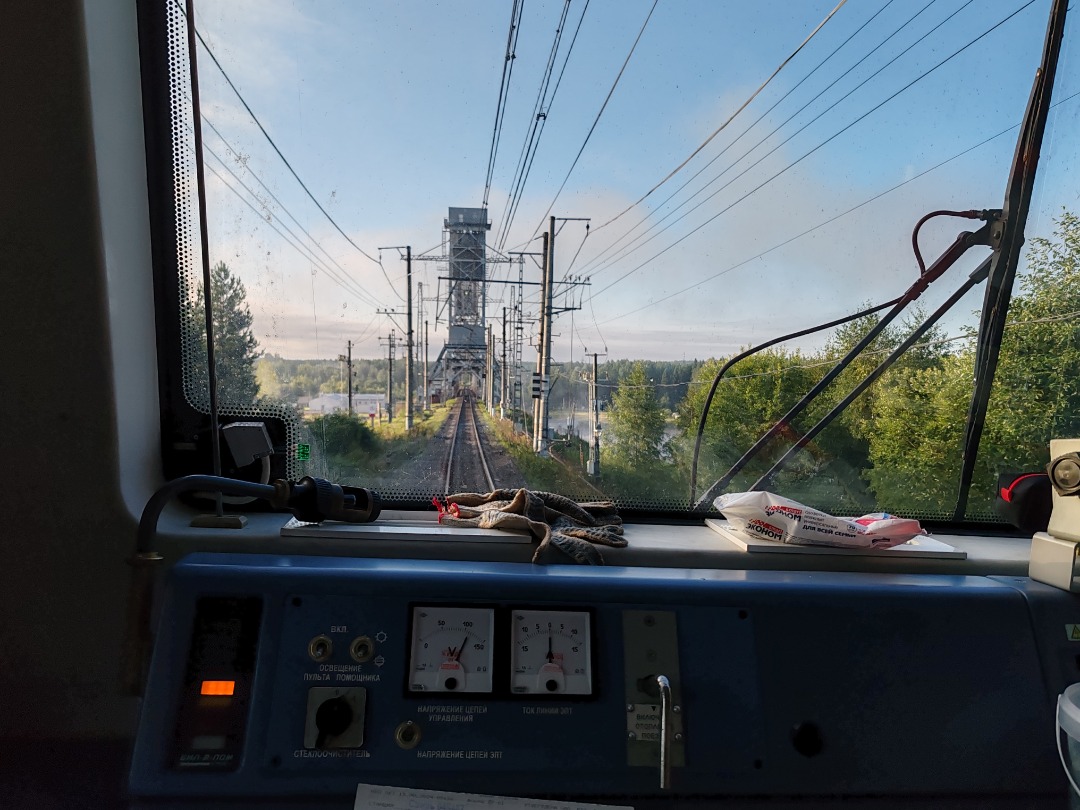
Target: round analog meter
x=451 y=649
x=551 y=652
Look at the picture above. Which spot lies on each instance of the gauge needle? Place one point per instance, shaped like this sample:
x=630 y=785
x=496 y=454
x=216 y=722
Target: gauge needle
x=456 y=653
x=551 y=654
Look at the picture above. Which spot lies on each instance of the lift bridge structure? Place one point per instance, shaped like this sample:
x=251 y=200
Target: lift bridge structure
x=465 y=360
x=468 y=359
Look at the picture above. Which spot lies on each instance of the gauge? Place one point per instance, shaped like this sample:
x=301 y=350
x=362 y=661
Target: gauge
x=551 y=652
x=451 y=649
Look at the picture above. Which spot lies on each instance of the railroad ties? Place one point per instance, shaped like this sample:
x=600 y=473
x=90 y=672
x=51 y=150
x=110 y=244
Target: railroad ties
x=466 y=467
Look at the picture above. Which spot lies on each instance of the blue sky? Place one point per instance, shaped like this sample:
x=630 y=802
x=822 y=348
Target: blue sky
x=385 y=110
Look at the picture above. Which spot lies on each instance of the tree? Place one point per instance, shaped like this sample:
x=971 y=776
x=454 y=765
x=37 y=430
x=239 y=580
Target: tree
x=235 y=346
x=917 y=444
x=637 y=419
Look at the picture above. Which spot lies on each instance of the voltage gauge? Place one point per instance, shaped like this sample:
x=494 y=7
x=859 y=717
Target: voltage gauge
x=551 y=652
x=451 y=649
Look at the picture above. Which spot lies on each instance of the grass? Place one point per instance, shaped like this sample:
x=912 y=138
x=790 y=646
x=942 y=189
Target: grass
x=552 y=474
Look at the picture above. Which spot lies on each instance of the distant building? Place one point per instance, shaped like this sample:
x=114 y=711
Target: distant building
x=363 y=404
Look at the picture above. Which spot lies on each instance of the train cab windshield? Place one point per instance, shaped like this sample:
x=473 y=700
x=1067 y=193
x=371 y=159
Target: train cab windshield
x=561 y=220
x=418 y=357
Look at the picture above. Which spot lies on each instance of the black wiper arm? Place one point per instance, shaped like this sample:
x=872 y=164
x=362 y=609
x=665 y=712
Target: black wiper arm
x=964 y=241
x=1006 y=255
x=724 y=369
x=977 y=277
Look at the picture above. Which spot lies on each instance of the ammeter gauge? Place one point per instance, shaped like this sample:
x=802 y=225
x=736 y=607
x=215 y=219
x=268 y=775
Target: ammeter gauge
x=551 y=652
x=451 y=649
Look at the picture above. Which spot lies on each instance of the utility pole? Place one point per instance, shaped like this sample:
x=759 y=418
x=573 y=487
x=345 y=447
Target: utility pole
x=427 y=402
x=593 y=467
x=408 y=331
x=538 y=377
x=545 y=373
x=347 y=360
x=391 y=344
x=489 y=379
x=503 y=377
x=408 y=340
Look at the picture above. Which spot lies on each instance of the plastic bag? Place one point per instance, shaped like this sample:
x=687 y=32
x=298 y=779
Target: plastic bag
x=765 y=515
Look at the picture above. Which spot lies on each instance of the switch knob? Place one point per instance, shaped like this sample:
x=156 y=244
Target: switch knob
x=332 y=718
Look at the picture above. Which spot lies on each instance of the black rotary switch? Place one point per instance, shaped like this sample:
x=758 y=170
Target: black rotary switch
x=807 y=739
x=332 y=718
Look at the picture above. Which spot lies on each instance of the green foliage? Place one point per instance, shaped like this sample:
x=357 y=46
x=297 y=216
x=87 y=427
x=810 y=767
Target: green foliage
x=345 y=439
x=1036 y=396
x=751 y=397
x=637 y=420
x=235 y=346
x=287 y=380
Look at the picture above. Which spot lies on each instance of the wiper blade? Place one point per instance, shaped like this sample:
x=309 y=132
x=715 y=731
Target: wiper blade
x=1009 y=240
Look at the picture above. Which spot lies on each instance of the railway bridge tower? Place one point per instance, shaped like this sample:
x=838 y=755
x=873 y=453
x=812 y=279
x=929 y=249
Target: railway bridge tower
x=462 y=360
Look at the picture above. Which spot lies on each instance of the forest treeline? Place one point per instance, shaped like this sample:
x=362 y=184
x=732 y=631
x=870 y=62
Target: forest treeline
x=896 y=448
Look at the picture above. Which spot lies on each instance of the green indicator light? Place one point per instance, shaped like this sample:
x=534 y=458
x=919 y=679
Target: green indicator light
x=303 y=452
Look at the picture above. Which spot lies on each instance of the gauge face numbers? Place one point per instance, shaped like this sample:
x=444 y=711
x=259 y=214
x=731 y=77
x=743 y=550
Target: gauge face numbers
x=451 y=649
x=551 y=653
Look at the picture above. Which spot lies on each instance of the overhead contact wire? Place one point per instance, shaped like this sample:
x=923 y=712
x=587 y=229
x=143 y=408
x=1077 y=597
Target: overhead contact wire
x=603 y=107
x=832 y=137
x=629 y=249
x=618 y=241
x=504 y=91
x=832 y=219
x=273 y=145
x=732 y=117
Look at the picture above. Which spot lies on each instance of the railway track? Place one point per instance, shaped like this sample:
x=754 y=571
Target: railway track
x=466 y=468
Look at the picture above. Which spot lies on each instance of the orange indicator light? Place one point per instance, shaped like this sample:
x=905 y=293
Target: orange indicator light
x=217 y=687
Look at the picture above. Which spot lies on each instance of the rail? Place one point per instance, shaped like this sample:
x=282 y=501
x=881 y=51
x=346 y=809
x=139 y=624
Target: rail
x=466 y=405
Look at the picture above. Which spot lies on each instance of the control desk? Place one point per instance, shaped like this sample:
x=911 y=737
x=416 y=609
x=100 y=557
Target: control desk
x=294 y=679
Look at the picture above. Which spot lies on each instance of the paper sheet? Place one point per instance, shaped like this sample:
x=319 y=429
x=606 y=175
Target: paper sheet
x=383 y=797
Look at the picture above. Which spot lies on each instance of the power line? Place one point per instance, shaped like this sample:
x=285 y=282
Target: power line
x=732 y=117
x=307 y=256
x=270 y=140
x=536 y=128
x=601 y=112
x=504 y=91
x=274 y=197
x=776 y=129
x=616 y=242
x=826 y=222
x=832 y=137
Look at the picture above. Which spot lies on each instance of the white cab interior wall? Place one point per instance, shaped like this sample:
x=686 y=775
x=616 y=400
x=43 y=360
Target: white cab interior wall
x=78 y=408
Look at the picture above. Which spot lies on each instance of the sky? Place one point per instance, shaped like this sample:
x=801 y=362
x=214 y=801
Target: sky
x=386 y=113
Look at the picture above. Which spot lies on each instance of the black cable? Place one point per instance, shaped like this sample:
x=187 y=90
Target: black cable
x=596 y=121
x=732 y=117
x=832 y=137
x=355 y=289
x=547 y=111
x=274 y=197
x=832 y=219
x=776 y=129
x=927 y=218
x=739 y=137
x=539 y=117
x=504 y=91
x=270 y=140
x=754 y=350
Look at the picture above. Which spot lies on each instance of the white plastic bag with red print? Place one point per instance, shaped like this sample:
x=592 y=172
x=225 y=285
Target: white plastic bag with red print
x=763 y=515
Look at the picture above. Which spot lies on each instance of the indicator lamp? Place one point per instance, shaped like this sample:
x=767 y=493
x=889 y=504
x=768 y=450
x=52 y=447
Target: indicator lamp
x=218 y=688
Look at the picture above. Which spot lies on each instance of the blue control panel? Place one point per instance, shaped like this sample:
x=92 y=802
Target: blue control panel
x=296 y=678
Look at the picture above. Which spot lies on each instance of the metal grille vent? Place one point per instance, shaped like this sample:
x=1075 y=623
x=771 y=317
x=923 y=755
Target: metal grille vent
x=189 y=253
